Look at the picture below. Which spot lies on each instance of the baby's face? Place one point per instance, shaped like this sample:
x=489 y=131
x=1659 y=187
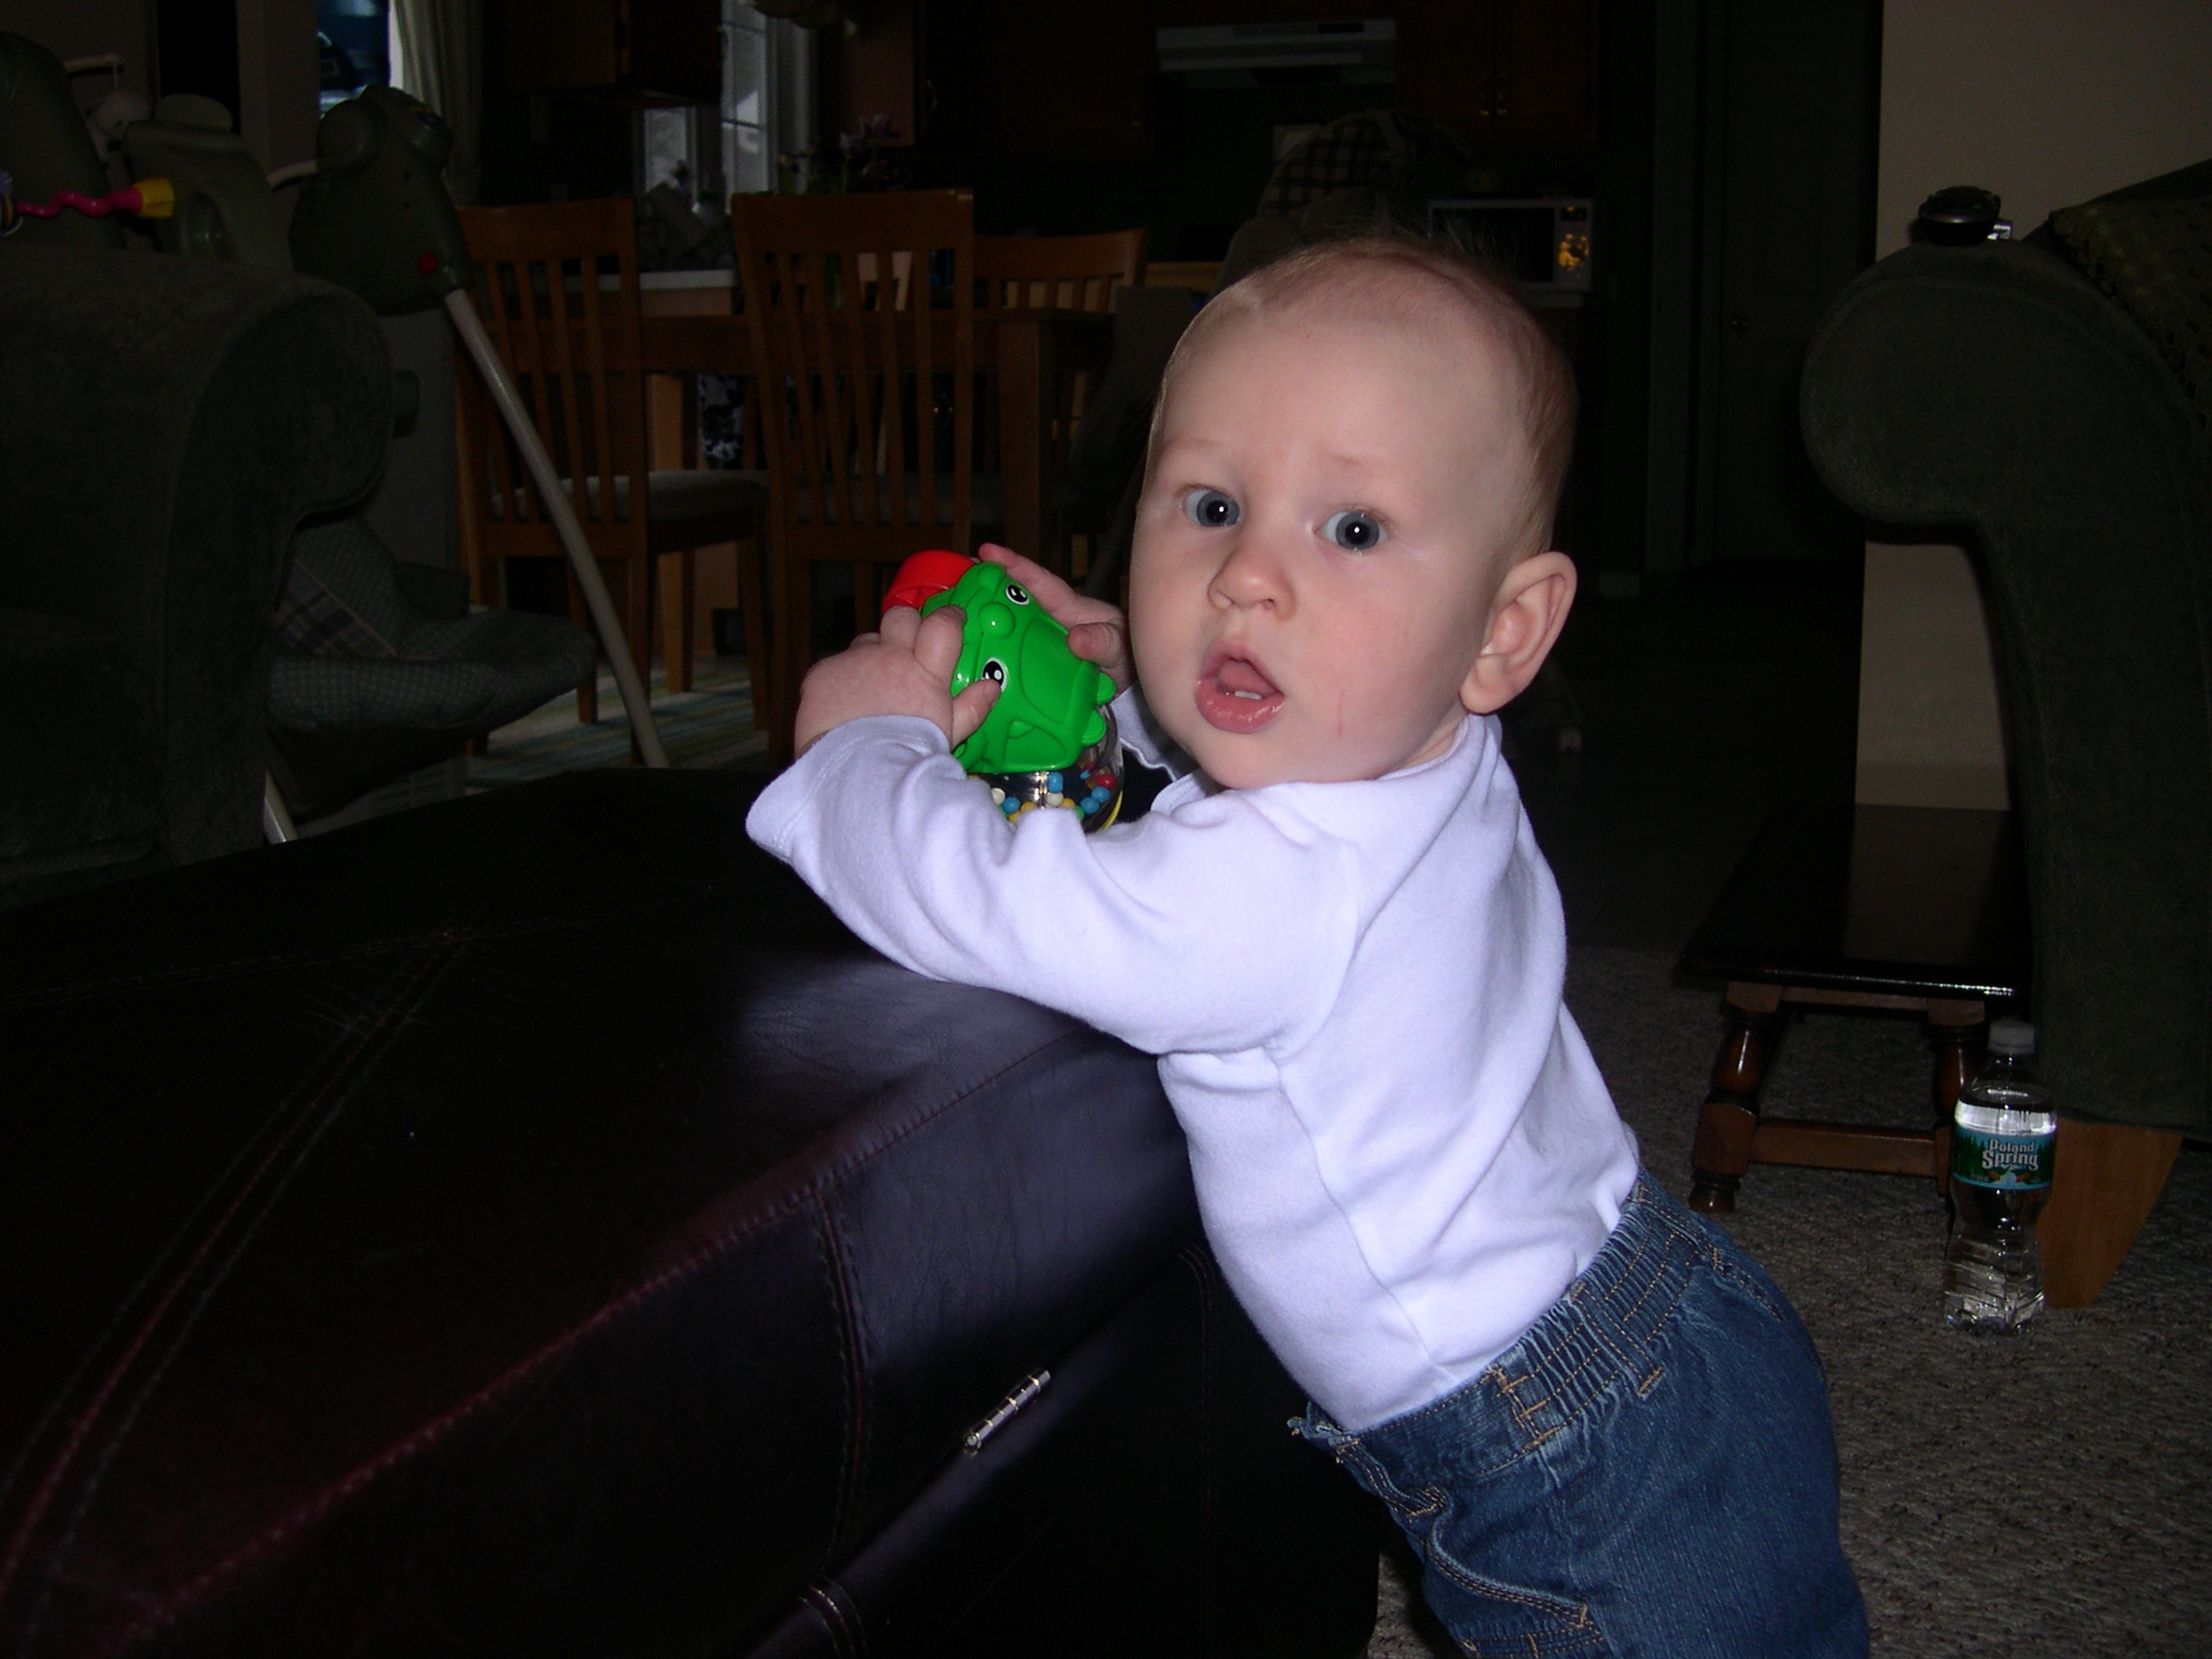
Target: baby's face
x=1322 y=532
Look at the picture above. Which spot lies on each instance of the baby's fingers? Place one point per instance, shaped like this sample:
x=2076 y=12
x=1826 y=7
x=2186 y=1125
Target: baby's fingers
x=1106 y=644
x=971 y=708
x=899 y=626
x=1055 y=595
x=934 y=639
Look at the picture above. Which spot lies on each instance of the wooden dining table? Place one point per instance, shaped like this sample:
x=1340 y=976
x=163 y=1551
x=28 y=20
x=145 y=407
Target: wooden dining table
x=687 y=325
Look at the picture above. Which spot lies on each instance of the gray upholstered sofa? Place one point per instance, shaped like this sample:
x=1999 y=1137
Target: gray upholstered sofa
x=1996 y=388
x=165 y=423
x=2047 y=403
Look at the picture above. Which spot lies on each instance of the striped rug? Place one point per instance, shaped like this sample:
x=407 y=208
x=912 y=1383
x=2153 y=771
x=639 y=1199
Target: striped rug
x=711 y=725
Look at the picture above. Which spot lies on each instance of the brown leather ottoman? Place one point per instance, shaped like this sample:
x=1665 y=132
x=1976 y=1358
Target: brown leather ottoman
x=533 y=1225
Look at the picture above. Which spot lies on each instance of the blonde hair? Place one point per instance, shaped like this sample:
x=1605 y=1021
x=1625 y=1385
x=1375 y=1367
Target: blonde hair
x=1403 y=276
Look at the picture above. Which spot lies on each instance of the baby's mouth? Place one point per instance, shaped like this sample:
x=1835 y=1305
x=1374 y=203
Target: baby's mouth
x=1233 y=692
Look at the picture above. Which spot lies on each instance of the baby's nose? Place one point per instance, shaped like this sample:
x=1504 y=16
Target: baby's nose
x=1252 y=572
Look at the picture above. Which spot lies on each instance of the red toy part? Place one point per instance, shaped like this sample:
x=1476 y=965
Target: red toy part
x=924 y=576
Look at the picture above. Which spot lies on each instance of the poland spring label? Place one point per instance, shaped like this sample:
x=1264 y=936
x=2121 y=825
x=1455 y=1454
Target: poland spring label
x=2013 y=1163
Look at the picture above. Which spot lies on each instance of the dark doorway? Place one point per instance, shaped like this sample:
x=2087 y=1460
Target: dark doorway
x=196 y=46
x=1791 y=109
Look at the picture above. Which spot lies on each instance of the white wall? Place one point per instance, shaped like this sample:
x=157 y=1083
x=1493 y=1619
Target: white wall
x=1929 y=729
x=2047 y=102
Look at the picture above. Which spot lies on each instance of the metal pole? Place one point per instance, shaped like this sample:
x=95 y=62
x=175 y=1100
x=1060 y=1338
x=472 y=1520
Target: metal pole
x=275 y=821
x=558 y=508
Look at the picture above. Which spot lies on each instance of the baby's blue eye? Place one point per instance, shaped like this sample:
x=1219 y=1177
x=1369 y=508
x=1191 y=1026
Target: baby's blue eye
x=1210 y=510
x=1353 y=531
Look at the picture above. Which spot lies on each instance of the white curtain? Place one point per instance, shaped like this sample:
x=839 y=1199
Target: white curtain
x=441 y=61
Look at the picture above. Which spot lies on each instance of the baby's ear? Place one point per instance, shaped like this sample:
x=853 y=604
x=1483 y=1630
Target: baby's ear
x=1524 y=619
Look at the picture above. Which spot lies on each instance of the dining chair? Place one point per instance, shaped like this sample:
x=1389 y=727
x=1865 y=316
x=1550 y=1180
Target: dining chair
x=1036 y=275
x=865 y=366
x=1058 y=272
x=557 y=288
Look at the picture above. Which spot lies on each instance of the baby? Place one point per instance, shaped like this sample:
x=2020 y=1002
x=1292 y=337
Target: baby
x=1601 y=1425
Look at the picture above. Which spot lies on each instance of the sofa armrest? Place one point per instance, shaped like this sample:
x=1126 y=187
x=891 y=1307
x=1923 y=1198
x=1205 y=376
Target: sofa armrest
x=1992 y=390
x=164 y=426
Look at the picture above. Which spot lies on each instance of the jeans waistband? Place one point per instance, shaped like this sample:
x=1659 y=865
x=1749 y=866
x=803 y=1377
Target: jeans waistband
x=1610 y=1320
x=1605 y=1328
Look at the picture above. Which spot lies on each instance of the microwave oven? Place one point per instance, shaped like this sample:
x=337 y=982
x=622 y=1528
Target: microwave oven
x=1543 y=240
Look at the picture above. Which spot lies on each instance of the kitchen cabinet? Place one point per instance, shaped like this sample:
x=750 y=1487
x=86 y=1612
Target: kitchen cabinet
x=996 y=75
x=1500 y=70
x=638 y=52
x=1011 y=76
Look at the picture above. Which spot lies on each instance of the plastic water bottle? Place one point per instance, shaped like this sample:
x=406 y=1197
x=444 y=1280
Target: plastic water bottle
x=2002 y=1138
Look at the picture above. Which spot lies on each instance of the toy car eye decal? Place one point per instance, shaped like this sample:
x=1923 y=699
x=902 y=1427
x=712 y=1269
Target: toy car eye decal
x=993 y=669
x=1210 y=510
x=1353 y=531
x=1018 y=594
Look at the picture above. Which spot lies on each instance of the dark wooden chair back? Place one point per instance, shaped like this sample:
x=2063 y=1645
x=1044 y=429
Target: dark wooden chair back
x=1028 y=276
x=556 y=287
x=860 y=310
x=1058 y=272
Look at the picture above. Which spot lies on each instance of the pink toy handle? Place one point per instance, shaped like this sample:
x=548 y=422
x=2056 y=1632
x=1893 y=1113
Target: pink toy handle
x=98 y=207
x=130 y=199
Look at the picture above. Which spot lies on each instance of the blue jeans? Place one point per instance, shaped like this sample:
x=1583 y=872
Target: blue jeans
x=1650 y=1470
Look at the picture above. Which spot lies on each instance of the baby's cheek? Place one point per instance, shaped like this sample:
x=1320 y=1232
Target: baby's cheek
x=1168 y=696
x=1149 y=652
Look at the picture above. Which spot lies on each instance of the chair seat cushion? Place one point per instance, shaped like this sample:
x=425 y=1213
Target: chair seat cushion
x=341 y=596
x=467 y=675
x=352 y=655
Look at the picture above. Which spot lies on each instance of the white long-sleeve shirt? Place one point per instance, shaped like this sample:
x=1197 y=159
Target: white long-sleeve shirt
x=1402 y=1148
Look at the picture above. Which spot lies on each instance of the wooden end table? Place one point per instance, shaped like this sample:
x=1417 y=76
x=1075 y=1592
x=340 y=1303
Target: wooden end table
x=1915 y=909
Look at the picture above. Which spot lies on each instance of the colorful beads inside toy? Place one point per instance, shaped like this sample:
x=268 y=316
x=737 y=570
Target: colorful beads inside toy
x=1090 y=788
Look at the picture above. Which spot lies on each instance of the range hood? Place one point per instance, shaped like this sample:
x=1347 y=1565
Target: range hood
x=1249 y=55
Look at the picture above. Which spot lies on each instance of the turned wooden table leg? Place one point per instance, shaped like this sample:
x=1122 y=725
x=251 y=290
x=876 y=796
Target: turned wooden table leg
x=1961 y=1033
x=1730 y=1116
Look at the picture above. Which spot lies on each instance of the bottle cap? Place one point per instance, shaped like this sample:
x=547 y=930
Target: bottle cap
x=2011 y=1037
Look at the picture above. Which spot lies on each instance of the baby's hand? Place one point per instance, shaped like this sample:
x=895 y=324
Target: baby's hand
x=904 y=670
x=1097 y=632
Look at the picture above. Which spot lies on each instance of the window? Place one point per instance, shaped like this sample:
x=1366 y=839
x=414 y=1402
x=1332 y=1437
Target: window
x=765 y=109
x=353 y=48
